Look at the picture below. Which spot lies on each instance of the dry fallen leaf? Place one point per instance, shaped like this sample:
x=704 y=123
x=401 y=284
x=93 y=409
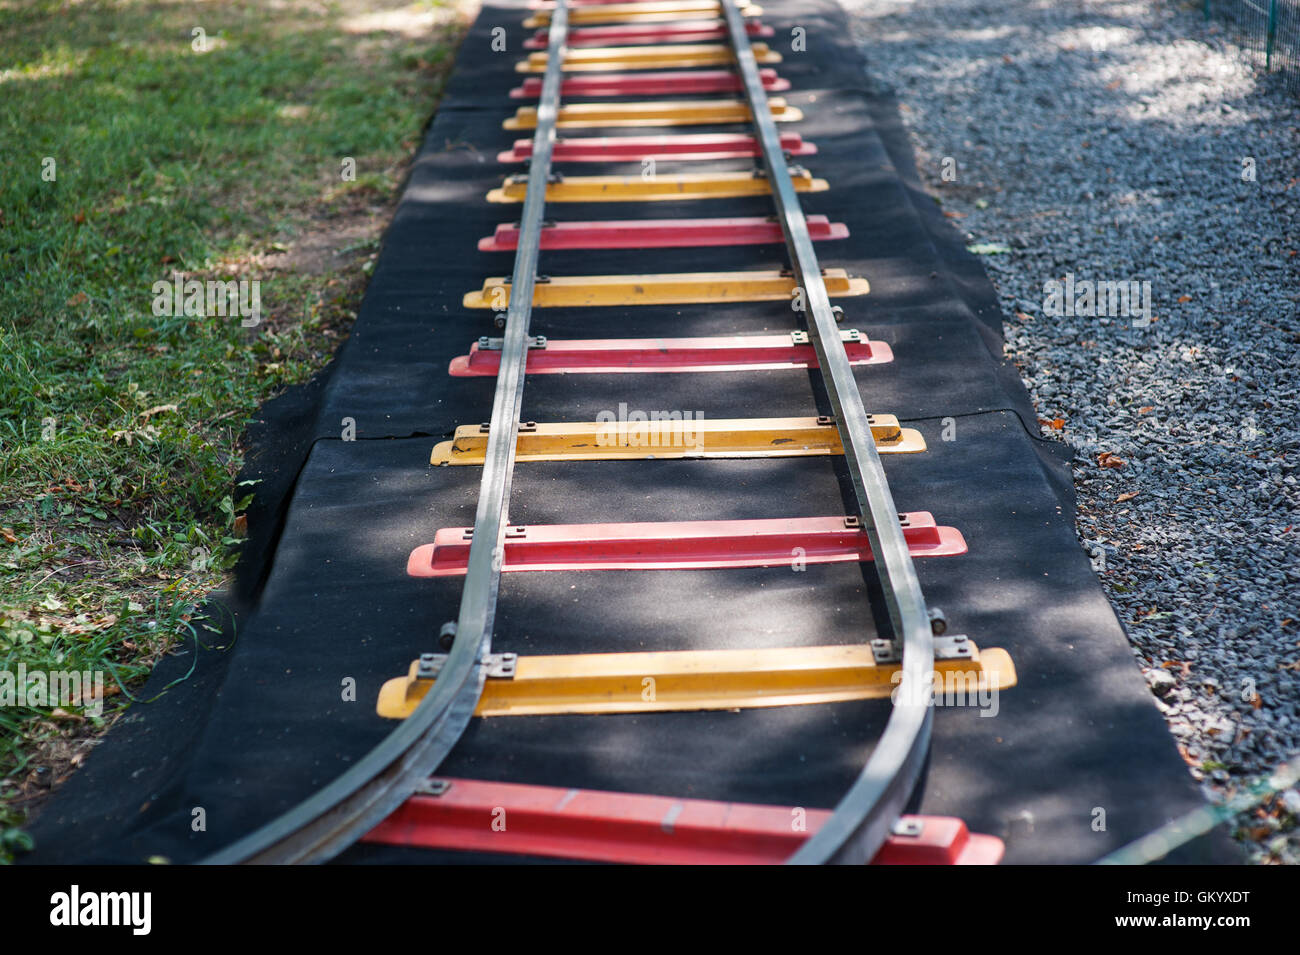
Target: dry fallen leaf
x=1113 y=85
x=1146 y=409
x=241 y=525
x=1108 y=460
x=954 y=215
x=1184 y=299
x=8 y=534
x=1126 y=496
x=79 y=299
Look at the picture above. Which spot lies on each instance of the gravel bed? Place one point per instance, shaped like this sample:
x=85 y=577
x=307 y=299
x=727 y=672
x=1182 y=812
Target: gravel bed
x=1108 y=140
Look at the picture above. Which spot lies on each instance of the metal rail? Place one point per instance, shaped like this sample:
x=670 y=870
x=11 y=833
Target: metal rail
x=335 y=817
x=862 y=821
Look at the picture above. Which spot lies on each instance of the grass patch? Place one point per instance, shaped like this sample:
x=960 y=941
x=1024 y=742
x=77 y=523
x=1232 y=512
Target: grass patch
x=133 y=152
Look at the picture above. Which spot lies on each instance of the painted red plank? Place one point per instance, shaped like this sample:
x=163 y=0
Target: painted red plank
x=553 y=822
x=630 y=355
x=680 y=545
x=659 y=233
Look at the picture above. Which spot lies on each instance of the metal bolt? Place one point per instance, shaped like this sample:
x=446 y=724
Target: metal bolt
x=446 y=636
x=938 y=622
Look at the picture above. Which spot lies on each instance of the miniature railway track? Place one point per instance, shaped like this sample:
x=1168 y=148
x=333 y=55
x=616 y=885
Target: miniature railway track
x=709 y=58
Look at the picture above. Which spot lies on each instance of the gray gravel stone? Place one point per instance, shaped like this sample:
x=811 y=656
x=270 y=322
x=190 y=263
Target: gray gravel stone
x=1162 y=681
x=1116 y=142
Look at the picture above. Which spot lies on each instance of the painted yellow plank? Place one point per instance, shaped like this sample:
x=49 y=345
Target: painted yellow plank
x=659 y=57
x=641 y=13
x=701 y=112
x=706 y=680
x=678 y=288
x=622 y=439
x=717 y=185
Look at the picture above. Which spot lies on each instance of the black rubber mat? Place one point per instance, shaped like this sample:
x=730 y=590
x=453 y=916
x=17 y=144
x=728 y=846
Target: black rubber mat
x=267 y=722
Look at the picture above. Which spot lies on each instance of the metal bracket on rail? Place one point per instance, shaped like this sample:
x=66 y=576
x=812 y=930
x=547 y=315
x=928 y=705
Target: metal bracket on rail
x=846 y=335
x=499 y=666
x=907 y=826
x=511 y=533
x=885 y=651
x=495 y=344
x=524 y=427
x=956 y=647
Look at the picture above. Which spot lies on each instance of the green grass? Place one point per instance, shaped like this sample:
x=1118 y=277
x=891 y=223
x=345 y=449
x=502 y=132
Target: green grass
x=119 y=428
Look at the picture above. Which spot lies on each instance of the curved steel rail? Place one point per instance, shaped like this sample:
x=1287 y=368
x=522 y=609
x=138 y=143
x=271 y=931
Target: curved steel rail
x=332 y=819
x=861 y=822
